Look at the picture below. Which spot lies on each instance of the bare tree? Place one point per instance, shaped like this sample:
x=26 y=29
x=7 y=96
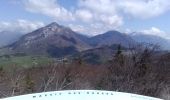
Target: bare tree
x=56 y=78
x=15 y=76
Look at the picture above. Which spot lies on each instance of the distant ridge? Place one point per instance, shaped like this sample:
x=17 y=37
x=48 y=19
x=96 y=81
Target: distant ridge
x=52 y=39
x=58 y=41
x=112 y=37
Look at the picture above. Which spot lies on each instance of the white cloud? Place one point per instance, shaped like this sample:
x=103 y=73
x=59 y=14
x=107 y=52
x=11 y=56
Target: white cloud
x=155 y=31
x=144 y=8
x=136 y=8
x=97 y=23
x=91 y=29
x=84 y=15
x=20 y=25
x=50 y=8
x=108 y=14
x=99 y=6
x=79 y=28
x=97 y=16
x=127 y=31
x=83 y=29
x=87 y=13
x=113 y=20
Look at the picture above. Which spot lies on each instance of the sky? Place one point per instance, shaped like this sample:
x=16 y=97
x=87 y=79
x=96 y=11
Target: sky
x=90 y=17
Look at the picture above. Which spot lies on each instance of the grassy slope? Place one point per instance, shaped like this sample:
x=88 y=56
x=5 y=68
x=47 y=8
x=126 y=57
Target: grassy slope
x=24 y=61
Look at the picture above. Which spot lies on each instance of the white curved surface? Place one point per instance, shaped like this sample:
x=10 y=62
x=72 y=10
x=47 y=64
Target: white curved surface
x=81 y=95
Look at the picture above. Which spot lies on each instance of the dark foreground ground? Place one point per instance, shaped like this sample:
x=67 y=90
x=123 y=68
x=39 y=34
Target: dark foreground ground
x=140 y=72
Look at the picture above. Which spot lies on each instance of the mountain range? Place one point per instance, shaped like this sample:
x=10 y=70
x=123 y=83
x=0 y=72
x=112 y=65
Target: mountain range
x=110 y=38
x=143 y=38
x=8 y=37
x=53 y=39
x=57 y=41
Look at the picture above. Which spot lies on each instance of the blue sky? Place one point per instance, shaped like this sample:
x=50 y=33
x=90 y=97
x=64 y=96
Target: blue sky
x=88 y=16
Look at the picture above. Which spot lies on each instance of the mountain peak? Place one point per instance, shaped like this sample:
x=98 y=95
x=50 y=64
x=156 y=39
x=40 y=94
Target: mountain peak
x=113 y=32
x=52 y=28
x=110 y=38
x=56 y=27
x=54 y=24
